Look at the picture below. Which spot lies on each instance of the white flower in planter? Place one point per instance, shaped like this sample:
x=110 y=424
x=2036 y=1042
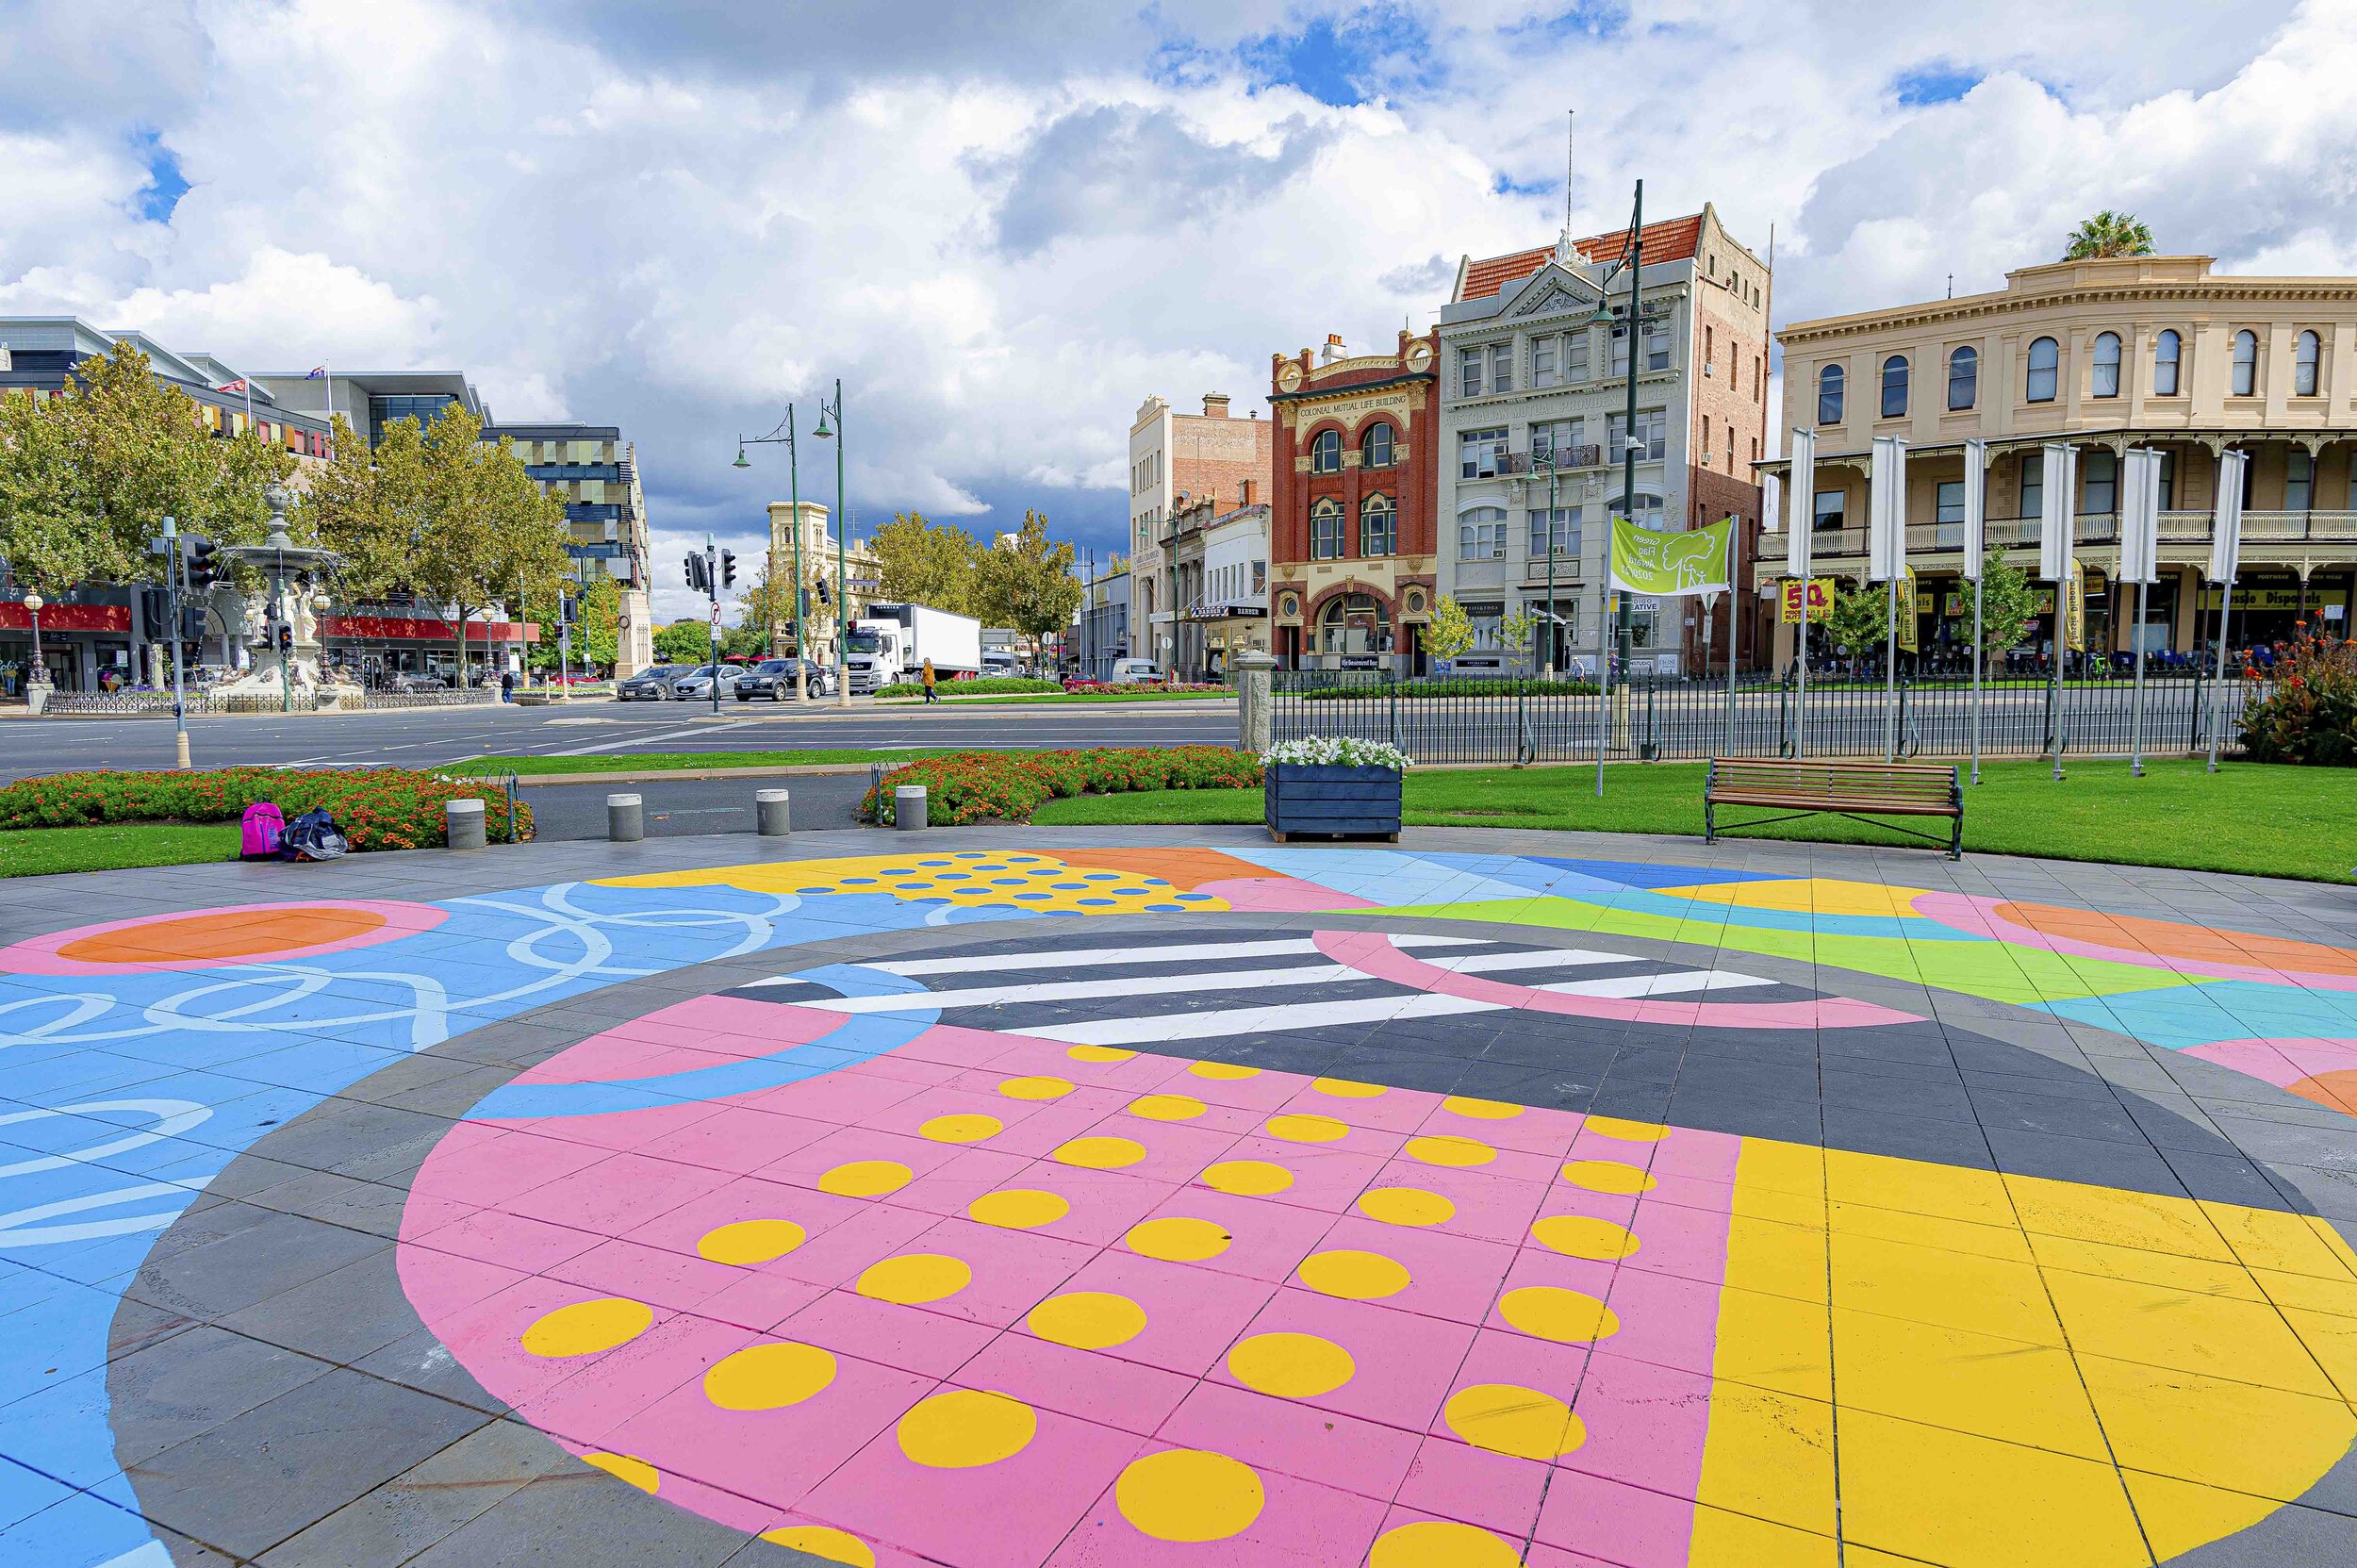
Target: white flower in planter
x=1337 y=751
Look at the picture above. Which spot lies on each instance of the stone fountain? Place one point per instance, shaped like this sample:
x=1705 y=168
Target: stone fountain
x=296 y=680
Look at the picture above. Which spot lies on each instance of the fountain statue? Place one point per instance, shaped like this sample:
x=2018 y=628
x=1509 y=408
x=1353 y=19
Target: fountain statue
x=297 y=678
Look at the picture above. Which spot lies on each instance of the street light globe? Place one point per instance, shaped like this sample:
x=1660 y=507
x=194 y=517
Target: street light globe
x=33 y=603
x=320 y=602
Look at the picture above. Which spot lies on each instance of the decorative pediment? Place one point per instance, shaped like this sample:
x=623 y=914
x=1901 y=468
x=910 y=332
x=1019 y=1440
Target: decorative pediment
x=1550 y=290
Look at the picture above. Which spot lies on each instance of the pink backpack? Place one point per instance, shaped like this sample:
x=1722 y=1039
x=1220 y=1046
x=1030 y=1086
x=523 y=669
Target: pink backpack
x=262 y=829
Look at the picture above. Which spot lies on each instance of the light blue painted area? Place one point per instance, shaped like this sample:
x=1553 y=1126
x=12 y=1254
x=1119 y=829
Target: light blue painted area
x=857 y=1039
x=2203 y=1013
x=1388 y=877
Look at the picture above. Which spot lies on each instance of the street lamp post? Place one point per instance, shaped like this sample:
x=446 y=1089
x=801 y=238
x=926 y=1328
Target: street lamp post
x=40 y=673
x=1547 y=670
x=794 y=469
x=842 y=525
x=1626 y=620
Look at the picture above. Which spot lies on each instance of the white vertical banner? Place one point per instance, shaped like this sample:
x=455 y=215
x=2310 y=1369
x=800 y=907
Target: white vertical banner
x=1887 y=512
x=1975 y=507
x=2058 y=513
x=1800 y=498
x=2226 y=525
x=1770 y=502
x=2140 y=516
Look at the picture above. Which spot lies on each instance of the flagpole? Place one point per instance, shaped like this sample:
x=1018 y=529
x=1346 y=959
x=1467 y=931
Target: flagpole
x=1890 y=669
x=2225 y=563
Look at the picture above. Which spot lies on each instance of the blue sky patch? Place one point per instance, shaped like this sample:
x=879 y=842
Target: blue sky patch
x=165 y=183
x=1936 y=84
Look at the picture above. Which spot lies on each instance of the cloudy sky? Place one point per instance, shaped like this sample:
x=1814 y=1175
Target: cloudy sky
x=1004 y=226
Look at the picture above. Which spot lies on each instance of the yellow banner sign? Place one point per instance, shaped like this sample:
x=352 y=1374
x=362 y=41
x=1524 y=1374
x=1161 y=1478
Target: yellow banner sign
x=2277 y=599
x=1907 y=638
x=1819 y=591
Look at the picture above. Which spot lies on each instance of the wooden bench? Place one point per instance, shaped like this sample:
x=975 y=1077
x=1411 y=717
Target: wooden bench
x=1852 y=790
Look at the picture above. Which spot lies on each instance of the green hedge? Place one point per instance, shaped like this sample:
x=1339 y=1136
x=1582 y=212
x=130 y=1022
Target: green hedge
x=1443 y=686
x=968 y=786
x=980 y=686
x=378 y=808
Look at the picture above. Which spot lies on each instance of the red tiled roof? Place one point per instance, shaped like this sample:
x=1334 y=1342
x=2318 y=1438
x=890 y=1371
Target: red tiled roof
x=1671 y=240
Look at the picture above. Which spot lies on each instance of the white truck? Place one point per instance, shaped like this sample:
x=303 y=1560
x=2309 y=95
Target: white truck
x=891 y=642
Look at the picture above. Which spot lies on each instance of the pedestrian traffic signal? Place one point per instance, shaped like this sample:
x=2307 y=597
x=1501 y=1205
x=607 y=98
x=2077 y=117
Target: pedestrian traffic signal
x=728 y=568
x=698 y=577
x=565 y=612
x=191 y=623
x=197 y=551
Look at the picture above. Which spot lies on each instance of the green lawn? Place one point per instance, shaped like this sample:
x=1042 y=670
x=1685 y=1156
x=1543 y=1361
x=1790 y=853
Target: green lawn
x=38 y=852
x=2267 y=822
x=652 y=762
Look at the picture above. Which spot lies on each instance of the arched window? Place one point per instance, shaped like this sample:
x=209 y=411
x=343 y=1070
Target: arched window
x=1964 y=378
x=1895 y=387
x=1353 y=623
x=2245 y=383
x=1326 y=530
x=1325 y=451
x=2045 y=358
x=2307 y=354
x=2105 y=371
x=1378 y=526
x=2167 y=350
x=1375 y=447
x=1829 y=395
x=1481 y=534
x=1648 y=512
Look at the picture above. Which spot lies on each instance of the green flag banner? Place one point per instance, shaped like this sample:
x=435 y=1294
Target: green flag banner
x=1666 y=564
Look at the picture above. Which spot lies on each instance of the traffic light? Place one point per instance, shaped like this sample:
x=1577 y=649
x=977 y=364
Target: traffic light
x=286 y=638
x=728 y=568
x=156 y=613
x=197 y=551
x=565 y=611
x=822 y=592
x=698 y=577
x=191 y=623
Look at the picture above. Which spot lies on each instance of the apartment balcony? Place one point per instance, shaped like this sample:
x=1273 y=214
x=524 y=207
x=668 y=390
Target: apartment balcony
x=2184 y=528
x=1589 y=456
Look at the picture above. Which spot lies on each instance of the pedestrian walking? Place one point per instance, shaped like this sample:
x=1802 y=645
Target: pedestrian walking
x=507 y=685
x=931 y=694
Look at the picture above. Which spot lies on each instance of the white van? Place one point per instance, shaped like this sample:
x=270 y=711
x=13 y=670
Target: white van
x=1136 y=672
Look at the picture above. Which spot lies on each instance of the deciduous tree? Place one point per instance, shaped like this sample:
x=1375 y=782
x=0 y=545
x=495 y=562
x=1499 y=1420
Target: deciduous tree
x=1451 y=630
x=1026 y=583
x=922 y=562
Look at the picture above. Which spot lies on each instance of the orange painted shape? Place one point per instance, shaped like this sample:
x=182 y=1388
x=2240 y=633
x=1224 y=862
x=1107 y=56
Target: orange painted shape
x=2169 y=939
x=2337 y=1090
x=235 y=933
x=1185 y=869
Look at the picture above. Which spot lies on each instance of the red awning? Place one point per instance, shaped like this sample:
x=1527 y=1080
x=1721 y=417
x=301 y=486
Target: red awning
x=370 y=627
x=67 y=617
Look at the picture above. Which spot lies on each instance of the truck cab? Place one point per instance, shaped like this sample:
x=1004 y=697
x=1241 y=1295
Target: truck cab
x=875 y=654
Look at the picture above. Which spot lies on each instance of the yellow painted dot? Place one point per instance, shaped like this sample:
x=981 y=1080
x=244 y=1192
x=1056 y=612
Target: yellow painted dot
x=1188 y=1495
x=1223 y=1071
x=1018 y=1207
x=1441 y=1150
x=1098 y=1054
x=1608 y=1176
x=1440 y=1543
x=914 y=1278
x=1100 y=1153
x=1628 y=1132
x=769 y=1377
x=1577 y=1236
x=1507 y=1418
x=638 y=1471
x=1353 y=1276
x=962 y=1129
x=1305 y=1130
x=1178 y=1240
x=1167 y=1108
x=1567 y=1316
x=961 y=1427
x=1404 y=1206
x=750 y=1241
x=818 y=1541
x=1087 y=1320
x=1481 y=1110
x=586 y=1328
x=1247 y=1178
x=865 y=1179
x=1042 y=1087
x=1344 y=1088
x=1291 y=1366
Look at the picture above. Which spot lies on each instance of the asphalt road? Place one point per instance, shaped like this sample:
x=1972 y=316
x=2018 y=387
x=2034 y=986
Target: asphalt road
x=421 y=738
x=673 y=808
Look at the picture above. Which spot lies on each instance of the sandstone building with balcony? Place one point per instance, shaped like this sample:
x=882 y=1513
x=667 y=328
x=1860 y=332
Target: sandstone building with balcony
x=2109 y=354
x=1535 y=356
x=1175 y=460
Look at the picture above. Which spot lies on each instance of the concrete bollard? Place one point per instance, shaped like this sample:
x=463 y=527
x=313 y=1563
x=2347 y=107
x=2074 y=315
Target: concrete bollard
x=771 y=813
x=625 y=822
x=908 y=807
x=463 y=825
x=1255 y=697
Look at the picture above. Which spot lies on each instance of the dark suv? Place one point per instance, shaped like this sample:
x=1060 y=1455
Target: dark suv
x=774 y=679
x=649 y=686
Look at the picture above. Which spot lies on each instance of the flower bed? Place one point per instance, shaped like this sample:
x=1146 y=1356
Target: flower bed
x=971 y=787
x=2308 y=715
x=978 y=685
x=385 y=808
x=1135 y=688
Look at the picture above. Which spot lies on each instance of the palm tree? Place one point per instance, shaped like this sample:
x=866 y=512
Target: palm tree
x=2109 y=232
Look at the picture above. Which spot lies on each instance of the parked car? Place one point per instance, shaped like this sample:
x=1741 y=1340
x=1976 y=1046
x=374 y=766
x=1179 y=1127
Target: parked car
x=774 y=679
x=421 y=680
x=1137 y=672
x=650 y=685
x=697 y=683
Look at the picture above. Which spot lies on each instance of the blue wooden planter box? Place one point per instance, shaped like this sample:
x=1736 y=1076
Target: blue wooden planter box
x=1309 y=798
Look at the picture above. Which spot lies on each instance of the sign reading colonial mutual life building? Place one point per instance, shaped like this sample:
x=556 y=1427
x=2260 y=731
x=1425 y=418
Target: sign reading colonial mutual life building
x=1666 y=564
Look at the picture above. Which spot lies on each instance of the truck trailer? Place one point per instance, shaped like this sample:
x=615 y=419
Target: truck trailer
x=891 y=642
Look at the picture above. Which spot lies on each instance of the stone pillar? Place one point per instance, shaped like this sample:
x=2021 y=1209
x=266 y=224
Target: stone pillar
x=1255 y=699
x=464 y=825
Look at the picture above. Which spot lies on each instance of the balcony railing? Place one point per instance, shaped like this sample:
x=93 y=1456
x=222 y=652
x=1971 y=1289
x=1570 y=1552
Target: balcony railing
x=1588 y=456
x=2176 y=528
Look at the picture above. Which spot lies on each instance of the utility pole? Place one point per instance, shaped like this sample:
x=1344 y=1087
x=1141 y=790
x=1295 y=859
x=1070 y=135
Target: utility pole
x=712 y=627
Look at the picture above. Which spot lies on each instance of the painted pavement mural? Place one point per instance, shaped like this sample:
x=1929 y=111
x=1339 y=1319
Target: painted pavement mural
x=1267 y=1206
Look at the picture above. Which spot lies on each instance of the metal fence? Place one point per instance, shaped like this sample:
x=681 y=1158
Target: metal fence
x=152 y=704
x=1655 y=719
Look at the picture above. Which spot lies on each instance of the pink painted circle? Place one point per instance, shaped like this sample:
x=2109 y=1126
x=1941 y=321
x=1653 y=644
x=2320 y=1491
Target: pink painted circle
x=220 y=937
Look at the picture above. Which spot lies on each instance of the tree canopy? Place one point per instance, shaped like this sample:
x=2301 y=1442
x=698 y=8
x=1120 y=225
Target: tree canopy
x=1027 y=582
x=2108 y=233
x=922 y=562
x=1451 y=632
x=683 y=642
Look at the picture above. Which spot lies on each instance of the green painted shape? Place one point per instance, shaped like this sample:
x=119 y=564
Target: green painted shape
x=1998 y=972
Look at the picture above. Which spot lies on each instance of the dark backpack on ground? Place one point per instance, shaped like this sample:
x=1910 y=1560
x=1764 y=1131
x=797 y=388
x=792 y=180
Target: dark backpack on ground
x=313 y=836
